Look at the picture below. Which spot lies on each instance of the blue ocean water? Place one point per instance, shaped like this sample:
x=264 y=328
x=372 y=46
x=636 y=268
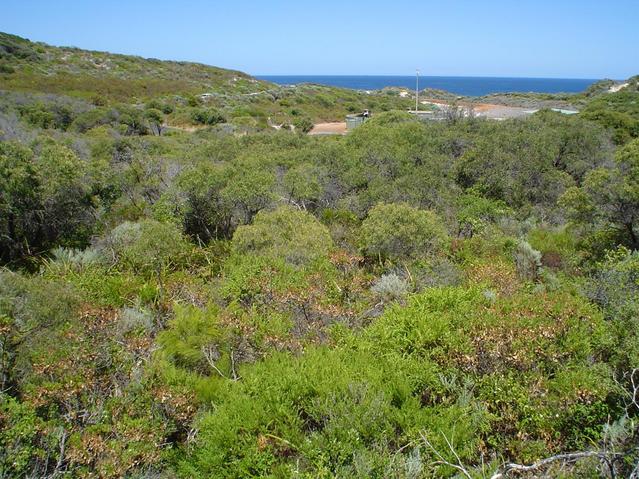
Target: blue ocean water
x=467 y=86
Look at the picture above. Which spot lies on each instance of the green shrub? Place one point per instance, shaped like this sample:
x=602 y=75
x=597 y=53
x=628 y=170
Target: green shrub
x=6 y=69
x=399 y=231
x=287 y=233
x=475 y=213
x=208 y=116
x=303 y=124
x=147 y=246
x=19 y=443
x=193 y=339
x=448 y=363
x=38 y=115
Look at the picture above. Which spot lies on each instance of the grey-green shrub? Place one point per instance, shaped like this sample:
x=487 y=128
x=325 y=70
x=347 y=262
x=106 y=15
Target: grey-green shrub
x=527 y=261
x=74 y=259
x=390 y=287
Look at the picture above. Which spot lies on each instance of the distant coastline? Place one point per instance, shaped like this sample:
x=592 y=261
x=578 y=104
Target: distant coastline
x=466 y=86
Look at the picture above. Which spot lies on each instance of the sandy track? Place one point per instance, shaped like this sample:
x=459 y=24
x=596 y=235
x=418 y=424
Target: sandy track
x=332 y=128
x=486 y=110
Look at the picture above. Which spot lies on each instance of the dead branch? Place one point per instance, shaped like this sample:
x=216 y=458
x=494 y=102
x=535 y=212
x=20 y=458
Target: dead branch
x=634 y=400
x=211 y=354
x=233 y=371
x=606 y=457
x=60 y=462
x=459 y=466
x=563 y=458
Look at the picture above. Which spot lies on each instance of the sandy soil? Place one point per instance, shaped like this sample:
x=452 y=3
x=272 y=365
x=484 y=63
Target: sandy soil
x=487 y=110
x=616 y=88
x=189 y=128
x=333 y=128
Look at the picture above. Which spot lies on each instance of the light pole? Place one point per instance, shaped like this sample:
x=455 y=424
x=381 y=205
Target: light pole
x=417 y=92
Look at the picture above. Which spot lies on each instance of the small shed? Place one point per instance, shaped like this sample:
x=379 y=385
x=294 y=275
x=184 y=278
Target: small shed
x=355 y=120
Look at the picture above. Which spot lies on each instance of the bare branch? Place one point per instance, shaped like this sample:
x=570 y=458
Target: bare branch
x=564 y=458
x=634 y=400
x=211 y=354
x=459 y=466
x=60 y=462
x=233 y=371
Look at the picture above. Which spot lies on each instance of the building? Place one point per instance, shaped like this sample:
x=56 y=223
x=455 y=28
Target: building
x=355 y=120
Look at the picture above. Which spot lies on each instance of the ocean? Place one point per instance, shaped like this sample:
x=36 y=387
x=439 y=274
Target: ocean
x=467 y=86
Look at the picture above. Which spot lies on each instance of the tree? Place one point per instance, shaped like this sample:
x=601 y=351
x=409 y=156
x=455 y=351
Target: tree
x=608 y=201
x=303 y=124
x=303 y=183
x=249 y=189
x=618 y=112
x=155 y=119
x=207 y=116
x=614 y=286
x=531 y=163
x=19 y=200
x=44 y=200
x=207 y=215
x=398 y=231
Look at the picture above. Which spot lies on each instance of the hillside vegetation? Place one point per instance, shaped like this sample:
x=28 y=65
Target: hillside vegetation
x=411 y=300
x=179 y=93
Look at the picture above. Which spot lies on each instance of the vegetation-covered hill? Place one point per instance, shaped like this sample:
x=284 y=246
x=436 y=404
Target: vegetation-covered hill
x=411 y=300
x=181 y=93
x=42 y=68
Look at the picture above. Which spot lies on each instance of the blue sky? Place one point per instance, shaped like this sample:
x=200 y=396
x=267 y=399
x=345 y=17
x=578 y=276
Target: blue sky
x=542 y=38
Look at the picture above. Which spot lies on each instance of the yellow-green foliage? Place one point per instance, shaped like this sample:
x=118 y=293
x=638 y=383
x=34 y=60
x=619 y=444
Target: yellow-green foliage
x=449 y=362
x=147 y=246
x=399 y=231
x=287 y=233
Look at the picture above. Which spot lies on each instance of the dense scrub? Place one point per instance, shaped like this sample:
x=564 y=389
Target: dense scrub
x=409 y=300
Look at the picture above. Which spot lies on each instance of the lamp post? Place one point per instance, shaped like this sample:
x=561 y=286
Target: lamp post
x=417 y=92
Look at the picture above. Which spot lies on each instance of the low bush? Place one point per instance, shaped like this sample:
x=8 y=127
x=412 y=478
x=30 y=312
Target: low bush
x=390 y=287
x=147 y=246
x=527 y=261
x=209 y=116
x=399 y=231
x=286 y=233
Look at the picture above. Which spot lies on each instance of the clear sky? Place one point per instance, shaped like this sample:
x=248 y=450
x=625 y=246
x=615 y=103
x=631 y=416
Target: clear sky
x=535 y=38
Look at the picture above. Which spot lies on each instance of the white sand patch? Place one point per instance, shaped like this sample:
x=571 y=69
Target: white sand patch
x=616 y=88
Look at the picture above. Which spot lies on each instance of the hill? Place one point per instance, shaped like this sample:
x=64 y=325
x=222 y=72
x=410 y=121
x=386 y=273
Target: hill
x=29 y=66
x=105 y=79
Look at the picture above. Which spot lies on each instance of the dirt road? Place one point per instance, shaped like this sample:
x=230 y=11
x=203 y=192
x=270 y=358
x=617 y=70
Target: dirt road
x=333 y=128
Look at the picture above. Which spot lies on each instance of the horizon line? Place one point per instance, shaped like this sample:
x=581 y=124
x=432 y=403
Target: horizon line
x=257 y=75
